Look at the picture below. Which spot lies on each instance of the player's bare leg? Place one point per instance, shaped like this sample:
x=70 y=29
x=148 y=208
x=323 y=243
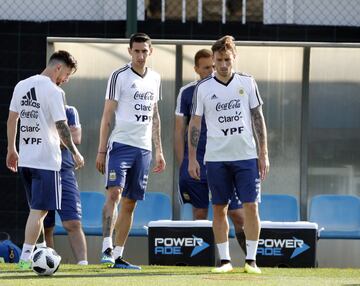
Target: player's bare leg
x=113 y=196
x=252 y=232
x=122 y=229
x=221 y=234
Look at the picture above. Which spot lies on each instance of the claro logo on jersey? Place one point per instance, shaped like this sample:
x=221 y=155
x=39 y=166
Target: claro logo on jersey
x=276 y=247
x=30 y=99
x=175 y=246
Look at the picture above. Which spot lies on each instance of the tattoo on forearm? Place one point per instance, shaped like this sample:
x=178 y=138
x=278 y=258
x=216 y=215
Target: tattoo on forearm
x=156 y=128
x=194 y=136
x=65 y=135
x=259 y=127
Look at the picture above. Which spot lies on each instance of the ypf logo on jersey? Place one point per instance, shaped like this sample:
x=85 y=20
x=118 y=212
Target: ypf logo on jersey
x=30 y=99
x=177 y=245
x=278 y=247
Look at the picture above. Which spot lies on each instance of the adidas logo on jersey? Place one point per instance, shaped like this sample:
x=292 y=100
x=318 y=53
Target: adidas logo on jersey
x=133 y=85
x=214 y=96
x=30 y=99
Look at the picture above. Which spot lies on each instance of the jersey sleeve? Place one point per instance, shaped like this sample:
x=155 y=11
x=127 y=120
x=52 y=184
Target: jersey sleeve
x=197 y=105
x=57 y=107
x=179 y=100
x=72 y=116
x=254 y=97
x=113 y=86
x=14 y=103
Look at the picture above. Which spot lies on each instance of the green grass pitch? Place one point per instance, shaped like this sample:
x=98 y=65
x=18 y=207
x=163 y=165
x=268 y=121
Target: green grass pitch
x=175 y=275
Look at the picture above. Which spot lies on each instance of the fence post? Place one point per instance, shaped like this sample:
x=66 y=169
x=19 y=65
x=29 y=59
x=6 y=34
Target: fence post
x=131 y=17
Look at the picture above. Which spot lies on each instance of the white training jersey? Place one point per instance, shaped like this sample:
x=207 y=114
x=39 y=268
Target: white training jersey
x=39 y=103
x=226 y=108
x=136 y=96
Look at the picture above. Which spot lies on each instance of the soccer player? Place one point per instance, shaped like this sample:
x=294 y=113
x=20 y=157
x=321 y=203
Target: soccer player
x=231 y=105
x=196 y=192
x=132 y=95
x=70 y=212
x=38 y=102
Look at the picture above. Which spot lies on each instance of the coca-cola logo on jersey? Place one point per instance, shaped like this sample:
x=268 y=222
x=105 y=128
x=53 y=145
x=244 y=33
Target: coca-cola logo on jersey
x=148 y=95
x=29 y=114
x=232 y=104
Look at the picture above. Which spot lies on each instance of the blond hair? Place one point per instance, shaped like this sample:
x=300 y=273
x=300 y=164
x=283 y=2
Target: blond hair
x=224 y=44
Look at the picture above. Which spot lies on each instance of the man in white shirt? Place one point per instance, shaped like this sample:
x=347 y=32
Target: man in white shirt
x=132 y=95
x=231 y=105
x=196 y=192
x=38 y=102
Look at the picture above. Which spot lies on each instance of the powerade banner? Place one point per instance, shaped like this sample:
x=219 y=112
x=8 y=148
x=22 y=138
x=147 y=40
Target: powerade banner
x=181 y=246
x=287 y=247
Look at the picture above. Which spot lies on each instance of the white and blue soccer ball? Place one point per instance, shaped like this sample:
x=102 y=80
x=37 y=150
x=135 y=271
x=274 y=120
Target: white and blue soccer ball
x=45 y=261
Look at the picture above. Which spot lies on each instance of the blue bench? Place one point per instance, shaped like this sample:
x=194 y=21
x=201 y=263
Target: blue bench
x=156 y=206
x=186 y=214
x=273 y=207
x=339 y=215
x=92 y=204
x=279 y=208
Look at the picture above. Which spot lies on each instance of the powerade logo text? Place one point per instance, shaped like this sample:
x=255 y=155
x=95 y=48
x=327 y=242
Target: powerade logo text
x=175 y=245
x=275 y=247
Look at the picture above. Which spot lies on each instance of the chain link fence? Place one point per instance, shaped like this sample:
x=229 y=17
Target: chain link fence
x=312 y=12
x=205 y=10
x=62 y=10
x=302 y=12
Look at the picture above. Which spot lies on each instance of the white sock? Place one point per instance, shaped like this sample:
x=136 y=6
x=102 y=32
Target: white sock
x=224 y=251
x=251 y=249
x=41 y=244
x=83 y=262
x=118 y=251
x=107 y=243
x=27 y=251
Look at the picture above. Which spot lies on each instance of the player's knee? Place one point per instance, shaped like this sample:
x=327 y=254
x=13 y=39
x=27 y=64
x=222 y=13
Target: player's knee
x=237 y=217
x=127 y=205
x=251 y=209
x=72 y=225
x=114 y=195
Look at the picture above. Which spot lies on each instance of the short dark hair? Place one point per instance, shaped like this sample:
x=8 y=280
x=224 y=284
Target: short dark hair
x=64 y=57
x=139 y=38
x=224 y=44
x=203 y=53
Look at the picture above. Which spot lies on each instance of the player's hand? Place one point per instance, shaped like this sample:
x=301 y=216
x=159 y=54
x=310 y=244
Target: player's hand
x=79 y=160
x=160 y=163
x=264 y=166
x=12 y=159
x=100 y=162
x=194 y=169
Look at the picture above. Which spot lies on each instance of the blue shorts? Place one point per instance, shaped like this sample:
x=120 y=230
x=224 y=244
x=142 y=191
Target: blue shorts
x=196 y=192
x=240 y=176
x=128 y=167
x=70 y=203
x=42 y=187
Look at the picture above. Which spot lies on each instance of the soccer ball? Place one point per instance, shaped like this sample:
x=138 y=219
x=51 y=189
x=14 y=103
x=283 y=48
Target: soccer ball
x=45 y=261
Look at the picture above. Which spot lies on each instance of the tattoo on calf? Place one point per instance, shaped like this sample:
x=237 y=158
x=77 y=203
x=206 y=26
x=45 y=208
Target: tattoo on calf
x=107 y=221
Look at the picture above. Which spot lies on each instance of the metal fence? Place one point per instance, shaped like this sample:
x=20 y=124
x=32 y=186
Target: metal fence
x=301 y=12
